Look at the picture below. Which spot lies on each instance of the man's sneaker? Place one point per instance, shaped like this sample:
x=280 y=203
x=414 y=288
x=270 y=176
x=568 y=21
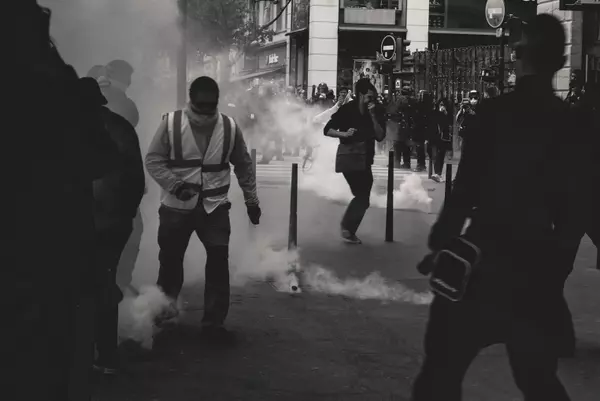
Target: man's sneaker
x=350 y=238
x=405 y=167
x=436 y=178
x=419 y=169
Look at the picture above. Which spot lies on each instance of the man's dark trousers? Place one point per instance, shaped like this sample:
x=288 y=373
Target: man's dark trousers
x=499 y=307
x=360 y=183
x=213 y=230
x=110 y=243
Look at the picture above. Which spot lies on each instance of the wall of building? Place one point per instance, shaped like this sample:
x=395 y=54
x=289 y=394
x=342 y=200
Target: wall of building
x=417 y=24
x=323 y=42
x=573 y=23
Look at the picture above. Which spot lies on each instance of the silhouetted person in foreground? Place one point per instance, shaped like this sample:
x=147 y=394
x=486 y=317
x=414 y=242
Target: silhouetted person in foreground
x=117 y=196
x=114 y=80
x=61 y=146
x=515 y=294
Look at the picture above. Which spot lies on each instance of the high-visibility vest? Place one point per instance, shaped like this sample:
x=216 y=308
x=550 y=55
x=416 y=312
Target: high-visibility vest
x=209 y=171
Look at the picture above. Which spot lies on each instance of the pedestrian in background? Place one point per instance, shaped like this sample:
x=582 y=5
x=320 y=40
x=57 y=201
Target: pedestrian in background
x=514 y=295
x=441 y=141
x=357 y=124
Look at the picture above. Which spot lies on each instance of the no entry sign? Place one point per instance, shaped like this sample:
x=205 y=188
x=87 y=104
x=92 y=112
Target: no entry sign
x=495 y=11
x=388 y=48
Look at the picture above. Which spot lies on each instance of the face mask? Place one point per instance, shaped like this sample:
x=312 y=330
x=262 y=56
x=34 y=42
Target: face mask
x=201 y=118
x=474 y=102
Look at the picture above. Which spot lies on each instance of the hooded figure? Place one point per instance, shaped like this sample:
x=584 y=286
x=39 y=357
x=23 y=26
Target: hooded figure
x=114 y=84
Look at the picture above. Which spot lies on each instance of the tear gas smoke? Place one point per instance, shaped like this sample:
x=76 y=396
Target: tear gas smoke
x=293 y=121
x=145 y=33
x=137 y=313
x=325 y=182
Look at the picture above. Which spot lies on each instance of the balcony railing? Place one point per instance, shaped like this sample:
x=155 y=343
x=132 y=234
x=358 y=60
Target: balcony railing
x=374 y=12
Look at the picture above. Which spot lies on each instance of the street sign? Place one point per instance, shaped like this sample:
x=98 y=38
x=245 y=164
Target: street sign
x=388 y=48
x=495 y=10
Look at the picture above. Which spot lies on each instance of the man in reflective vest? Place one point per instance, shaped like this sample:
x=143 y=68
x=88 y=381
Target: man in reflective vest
x=190 y=158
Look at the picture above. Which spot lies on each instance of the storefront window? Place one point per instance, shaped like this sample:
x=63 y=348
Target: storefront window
x=300 y=9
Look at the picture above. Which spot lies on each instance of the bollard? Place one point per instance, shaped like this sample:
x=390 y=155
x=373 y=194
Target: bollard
x=389 y=213
x=253 y=155
x=293 y=234
x=448 y=181
x=431 y=156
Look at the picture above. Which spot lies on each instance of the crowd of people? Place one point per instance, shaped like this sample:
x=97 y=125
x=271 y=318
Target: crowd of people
x=63 y=290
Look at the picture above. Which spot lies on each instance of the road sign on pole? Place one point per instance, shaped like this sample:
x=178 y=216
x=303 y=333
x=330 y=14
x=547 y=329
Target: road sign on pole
x=388 y=48
x=495 y=11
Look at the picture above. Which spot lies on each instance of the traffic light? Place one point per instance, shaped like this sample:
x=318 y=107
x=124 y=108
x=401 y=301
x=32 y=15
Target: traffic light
x=404 y=60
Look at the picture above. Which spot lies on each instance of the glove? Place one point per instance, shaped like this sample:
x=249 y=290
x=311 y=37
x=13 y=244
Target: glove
x=425 y=267
x=254 y=213
x=186 y=191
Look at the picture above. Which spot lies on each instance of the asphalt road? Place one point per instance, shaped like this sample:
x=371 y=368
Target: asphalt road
x=315 y=346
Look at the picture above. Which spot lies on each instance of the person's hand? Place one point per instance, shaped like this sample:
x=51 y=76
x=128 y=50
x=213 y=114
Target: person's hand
x=371 y=107
x=351 y=132
x=186 y=191
x=254 y=213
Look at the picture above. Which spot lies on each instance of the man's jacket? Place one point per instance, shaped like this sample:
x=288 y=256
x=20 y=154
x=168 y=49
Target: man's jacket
x=516 y=193
x=117 y=195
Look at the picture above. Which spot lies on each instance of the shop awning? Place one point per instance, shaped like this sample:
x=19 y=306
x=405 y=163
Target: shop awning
x=371 y=28
x=260 y=73
x=458 y=31
x=297 y=31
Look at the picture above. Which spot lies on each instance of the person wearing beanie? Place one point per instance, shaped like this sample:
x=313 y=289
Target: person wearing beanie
x=114 y=85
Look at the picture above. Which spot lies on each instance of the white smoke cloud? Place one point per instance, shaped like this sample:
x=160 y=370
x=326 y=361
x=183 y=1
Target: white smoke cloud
x=137 y=313
x=145 y=33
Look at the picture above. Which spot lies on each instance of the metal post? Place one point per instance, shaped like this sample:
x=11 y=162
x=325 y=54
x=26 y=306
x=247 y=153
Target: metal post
x=448 y=181
x=501 y=60
x=293 y=234
x=182 y=59
x=431 y=156
x=389 y=214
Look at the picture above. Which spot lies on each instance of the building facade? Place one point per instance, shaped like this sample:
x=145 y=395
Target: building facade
x=336 y=41
x=268 y=62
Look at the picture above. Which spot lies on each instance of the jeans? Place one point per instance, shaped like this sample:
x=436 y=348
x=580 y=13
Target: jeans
x=421 y=157
x=402 y=153
x=109 y=246
x=455 y=335
x=213 y=230
x=439 y=156
x=360 y=183
x=130 y=253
